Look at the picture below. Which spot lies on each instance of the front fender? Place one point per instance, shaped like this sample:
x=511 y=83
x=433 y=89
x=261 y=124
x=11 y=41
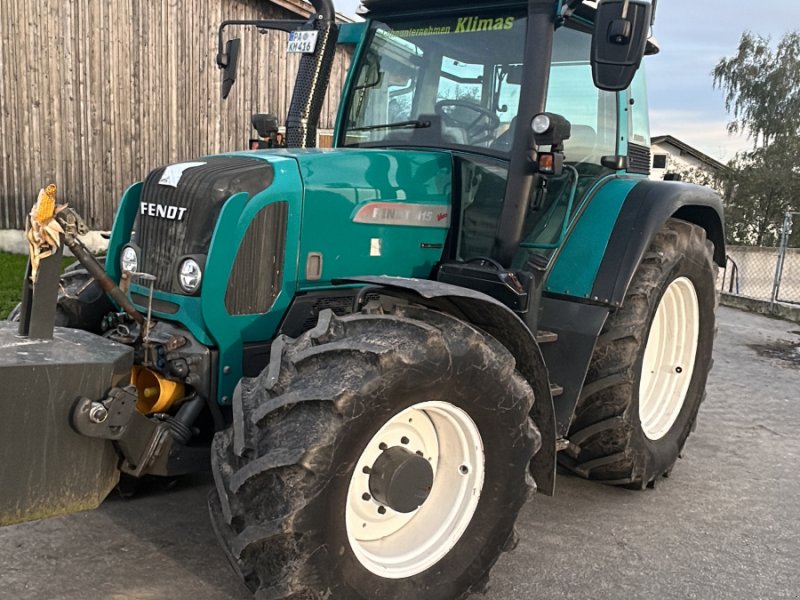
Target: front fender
x=503 y=324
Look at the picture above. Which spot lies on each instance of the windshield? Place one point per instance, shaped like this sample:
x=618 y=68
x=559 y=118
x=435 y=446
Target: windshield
x=441 y=82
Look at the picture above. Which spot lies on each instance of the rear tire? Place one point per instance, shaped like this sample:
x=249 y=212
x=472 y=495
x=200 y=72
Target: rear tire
x=290 y=471
x=649 y=369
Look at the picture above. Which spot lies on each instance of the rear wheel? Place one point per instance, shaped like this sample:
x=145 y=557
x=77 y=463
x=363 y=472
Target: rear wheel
x=377 y=457
x=648 y=373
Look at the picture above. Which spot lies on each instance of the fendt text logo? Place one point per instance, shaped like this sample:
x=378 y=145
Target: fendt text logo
x=172 y=213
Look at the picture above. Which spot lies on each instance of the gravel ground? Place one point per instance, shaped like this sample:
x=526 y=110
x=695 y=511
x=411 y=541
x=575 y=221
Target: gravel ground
x=726 y=524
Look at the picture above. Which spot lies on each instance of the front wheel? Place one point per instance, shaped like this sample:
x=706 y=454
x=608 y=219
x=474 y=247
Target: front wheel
x=648 y=373
x=379 y=456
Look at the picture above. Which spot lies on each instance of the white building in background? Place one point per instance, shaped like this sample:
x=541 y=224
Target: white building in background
x=673 y=157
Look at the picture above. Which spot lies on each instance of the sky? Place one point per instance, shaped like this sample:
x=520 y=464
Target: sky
x=694 y=35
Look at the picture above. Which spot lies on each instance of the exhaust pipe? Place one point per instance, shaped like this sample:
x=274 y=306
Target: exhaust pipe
x=312 y=80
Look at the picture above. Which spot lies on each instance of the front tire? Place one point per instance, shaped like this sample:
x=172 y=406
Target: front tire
x=305 y=506
x=649 y=369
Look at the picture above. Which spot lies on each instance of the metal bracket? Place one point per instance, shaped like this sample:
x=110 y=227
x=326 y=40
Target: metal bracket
x=147 y=445
x=108 y=419
x=140 y=440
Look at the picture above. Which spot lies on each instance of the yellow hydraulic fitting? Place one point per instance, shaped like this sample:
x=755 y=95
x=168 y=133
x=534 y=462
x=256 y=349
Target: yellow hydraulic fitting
x=155 y=393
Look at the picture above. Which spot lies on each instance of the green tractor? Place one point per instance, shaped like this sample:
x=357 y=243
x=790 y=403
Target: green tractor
x=383 y=349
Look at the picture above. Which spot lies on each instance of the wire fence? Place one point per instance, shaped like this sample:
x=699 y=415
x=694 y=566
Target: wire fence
x=767 y=274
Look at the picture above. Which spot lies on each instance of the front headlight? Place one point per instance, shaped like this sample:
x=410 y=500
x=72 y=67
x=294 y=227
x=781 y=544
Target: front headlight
x=190 y=275
x=129 y=260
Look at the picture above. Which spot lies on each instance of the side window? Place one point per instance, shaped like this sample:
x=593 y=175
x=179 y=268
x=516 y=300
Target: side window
x=572 y=94
x=640 y=119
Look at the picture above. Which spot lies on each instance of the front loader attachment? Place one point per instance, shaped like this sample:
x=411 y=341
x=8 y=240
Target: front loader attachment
x=46 y=467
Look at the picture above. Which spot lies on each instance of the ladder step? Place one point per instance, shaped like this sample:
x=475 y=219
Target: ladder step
x=556 y=390
x=546 y=337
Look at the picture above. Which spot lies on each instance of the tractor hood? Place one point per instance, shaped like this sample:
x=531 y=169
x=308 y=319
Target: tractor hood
x=372 y=211
x=266 y=226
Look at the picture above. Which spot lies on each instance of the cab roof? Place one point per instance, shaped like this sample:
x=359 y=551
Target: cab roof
x=388 y=8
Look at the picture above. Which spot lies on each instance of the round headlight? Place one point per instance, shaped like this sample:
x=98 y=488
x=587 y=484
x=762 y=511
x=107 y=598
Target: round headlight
x=540 y=124
x=190 y=276
x=129 y=260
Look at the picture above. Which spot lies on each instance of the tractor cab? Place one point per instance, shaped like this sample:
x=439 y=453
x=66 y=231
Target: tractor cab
x=454 y=81
x=537 y=105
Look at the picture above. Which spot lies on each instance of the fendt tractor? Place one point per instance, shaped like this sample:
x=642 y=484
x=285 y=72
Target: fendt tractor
x=381 y=350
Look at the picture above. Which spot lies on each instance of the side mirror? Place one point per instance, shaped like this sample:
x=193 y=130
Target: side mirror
x=228 y=61
x=620 y=37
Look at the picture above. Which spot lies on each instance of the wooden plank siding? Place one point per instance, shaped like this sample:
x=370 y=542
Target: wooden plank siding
x=96 y=93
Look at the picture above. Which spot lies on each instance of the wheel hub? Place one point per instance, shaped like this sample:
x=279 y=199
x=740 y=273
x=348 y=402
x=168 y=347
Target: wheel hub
x=401 y=480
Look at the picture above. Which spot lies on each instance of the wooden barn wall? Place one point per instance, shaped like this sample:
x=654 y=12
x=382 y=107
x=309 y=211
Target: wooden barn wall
x=95 y=93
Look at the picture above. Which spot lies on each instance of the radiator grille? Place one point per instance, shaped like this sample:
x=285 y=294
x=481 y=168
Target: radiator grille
x=257 y=274
x=197 y=202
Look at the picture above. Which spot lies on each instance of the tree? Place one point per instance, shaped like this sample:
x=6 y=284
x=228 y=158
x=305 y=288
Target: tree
x=705 y=177
x=762 y=94
x=763 y=184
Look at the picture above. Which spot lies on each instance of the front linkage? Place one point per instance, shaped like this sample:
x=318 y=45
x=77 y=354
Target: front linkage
x=155 y=444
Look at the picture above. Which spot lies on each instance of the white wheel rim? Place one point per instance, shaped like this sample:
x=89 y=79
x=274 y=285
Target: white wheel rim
x=395 y=545
x=669 y=359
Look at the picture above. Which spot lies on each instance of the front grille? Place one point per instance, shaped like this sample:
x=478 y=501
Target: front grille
x=257 y=274
x=164 y=237
x=638 y=159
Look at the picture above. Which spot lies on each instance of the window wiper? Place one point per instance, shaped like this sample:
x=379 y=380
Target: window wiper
x=400 y=125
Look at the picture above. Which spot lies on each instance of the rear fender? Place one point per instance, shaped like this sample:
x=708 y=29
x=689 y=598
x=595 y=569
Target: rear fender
x=500 y=322
x=646 y=209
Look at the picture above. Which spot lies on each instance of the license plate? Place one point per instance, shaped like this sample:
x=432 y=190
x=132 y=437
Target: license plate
x=303 y=42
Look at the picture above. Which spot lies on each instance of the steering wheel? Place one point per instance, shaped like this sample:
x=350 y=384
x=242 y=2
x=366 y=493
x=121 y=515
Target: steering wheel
x=479 y=129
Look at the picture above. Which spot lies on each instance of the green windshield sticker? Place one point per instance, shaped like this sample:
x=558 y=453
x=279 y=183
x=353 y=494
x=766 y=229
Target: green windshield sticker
x=462 y=25
x=470 y=24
